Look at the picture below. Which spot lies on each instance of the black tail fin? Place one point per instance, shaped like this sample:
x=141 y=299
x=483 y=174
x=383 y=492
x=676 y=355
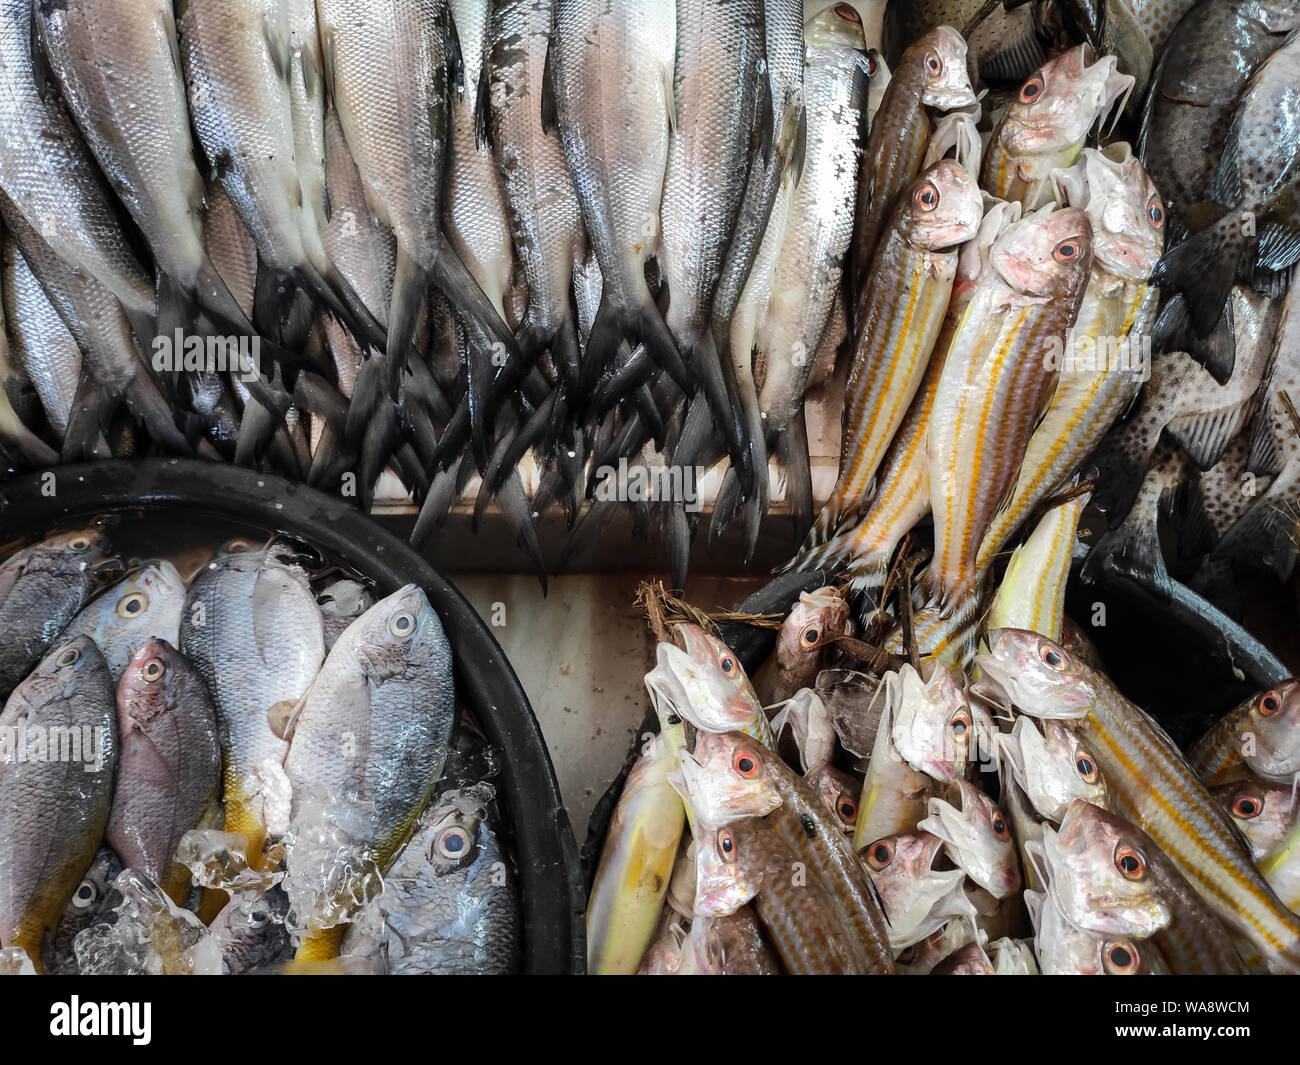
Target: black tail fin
x=518 y=514
x=443 y=492
x=92 y=406
x=1203 y=268
x=1217 y=351
x=1132 y=550
x=795 y=463
x=1267 y=535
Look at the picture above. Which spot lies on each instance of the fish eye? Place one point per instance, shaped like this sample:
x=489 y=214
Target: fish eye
x=727 y=664
x=258 y=920
x=880 y=854
x=1131 y=863
x=1052 y=657
x=960 y=723
x=810 y=636
x=849 y=12
x=67 y=657
x=1032 y=89
x=1067 y=251
x=872 y=65
x=927 y=197
x=1247 y=806
x=133 y=605
x=727 y=844
x=85 y=895
x=1086 y=768
x=402 y=625
x=235 y=545
x=79 y=544
x=1269 y=704
x=999 y=826
x=745 y=764
x=453 y=844
x=848 y=810
x=1156 y=212
x=933 y=64
x=153 y=669
x=1121 y=959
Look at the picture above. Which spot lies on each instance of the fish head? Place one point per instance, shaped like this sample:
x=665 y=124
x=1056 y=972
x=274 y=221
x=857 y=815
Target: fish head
x=81 y=545
x=1054 y=767
x=345 y=599
x=839 y=792
x=1099 y=867
x=64 y=670
x=1270 y=742
x=151 y=685
x=932 y=726
x=726 y=777
x=814 y=734
x=704 y=683
x=451 y=833
x=1047 y=253
x=1261 y=811
x=1061 y=101
x=1065 y=950
x=1036 y=675
x=815 y=622
x=1121 y=201
x=941 y=56
x=839 y=25
x=977 y=837
x=727 y=871
x=902 y=869
x=942 y=207
x=400 y=635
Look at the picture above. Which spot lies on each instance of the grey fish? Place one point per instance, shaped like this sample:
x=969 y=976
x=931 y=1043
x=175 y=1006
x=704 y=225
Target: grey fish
x=612 y=78
x=93 y=900
x=341 y=603
x=50 y=175
x=53 y=809
x=169 y=767
x=251 y=930
x=41 y=589
x=144 y=604
x=17 y=408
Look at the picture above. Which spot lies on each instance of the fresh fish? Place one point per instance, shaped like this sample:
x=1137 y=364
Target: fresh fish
x=706 y=685
x=839 y=791
x=996 y=382
x=92 y=901
x=53 y=809
x=230 y=246
x=251 y=627
x=145 y=604
x=252 y=931
x=636 y=864
x=976 y=837
x=1281 y=868
x=811 y=728
x=1150 y=779
x=1045 y=127
x=367 y=743
x=341 y=602
x=818 y=619
x=1065 y=950
x=1053 y=767
x=1158 y=18
x=1110 y=877
x=970 y=960
x=1260 y=734
x=731 y=945
x=746 y=860
x=932 y=727
x=930 y=74
x=19 y=444
x=41 y=589
x=899 y=318
x=169 y=765
x=50 y=175
x=1032 y=593
x=609 y=60
x=1262 y=811
x=119 y=73
x=544 y=216
x=724 y=778
x=894 y=795
x=917 y=898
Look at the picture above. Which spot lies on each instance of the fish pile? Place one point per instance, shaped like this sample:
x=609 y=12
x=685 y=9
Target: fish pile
x=251 y=768
x=851 y=811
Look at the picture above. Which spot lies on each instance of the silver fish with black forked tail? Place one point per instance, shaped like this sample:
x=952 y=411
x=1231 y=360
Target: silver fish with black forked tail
x=931 y=73
x=721 y=103
x=253 y=630
x=118 y=70
x=618 y=60
x=41 y=589
x=169 y=767
x=390 y=68
x=450 y=903
x=144 y=604
x=93 y=900
x=544 y=215
x=50 y=175
x=367 y=744
x=899 y=317
x=1261 y=734
x=53 y=808
x=1110 y=877
x=1152 y=781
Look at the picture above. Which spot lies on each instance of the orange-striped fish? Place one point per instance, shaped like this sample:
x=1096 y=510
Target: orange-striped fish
x=1032 y=593
x=1260 y=735
x=1152 y=782
x=898 y=322
x=1044 y=128
x=997 y=379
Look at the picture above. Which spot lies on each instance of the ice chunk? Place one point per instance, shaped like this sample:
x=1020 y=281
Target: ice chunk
x=15 y=962
x=219 y=859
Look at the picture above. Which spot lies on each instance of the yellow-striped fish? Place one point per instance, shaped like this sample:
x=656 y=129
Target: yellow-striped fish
x=1032 y=593
x=1261 y=734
